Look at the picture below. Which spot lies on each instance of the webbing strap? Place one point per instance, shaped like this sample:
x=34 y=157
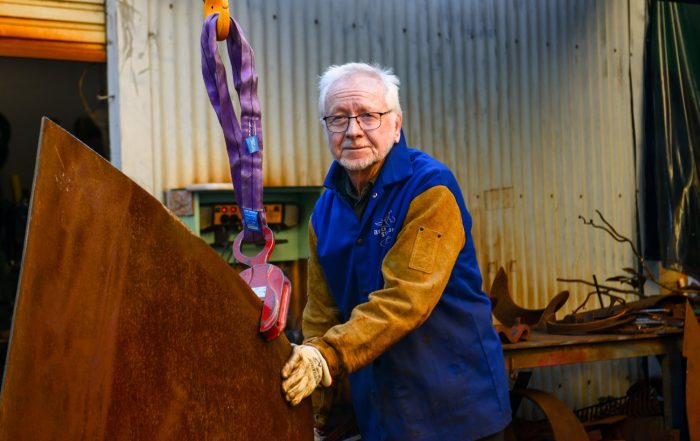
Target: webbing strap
x=244 y=141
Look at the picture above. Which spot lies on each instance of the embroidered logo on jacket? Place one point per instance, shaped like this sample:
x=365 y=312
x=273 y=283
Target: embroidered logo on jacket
x=385 y=229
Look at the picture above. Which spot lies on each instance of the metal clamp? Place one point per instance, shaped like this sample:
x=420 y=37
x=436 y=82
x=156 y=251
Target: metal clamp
x=262 y=257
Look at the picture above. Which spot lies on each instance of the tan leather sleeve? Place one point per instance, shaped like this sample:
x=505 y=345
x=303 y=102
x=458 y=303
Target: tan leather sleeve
x=416 y=270
x=320 y=313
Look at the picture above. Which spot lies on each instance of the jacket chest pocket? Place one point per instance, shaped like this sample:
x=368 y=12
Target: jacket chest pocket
x=424 y=250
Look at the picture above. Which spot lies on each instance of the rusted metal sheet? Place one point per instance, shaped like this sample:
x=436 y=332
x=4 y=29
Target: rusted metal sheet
x=129 y=327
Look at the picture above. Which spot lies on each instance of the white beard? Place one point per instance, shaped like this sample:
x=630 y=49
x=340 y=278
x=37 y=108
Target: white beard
x=363 y=163
x=358 y=164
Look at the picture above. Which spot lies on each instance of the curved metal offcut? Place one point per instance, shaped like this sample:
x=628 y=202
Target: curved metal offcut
x=563 y=422
x=510 y=314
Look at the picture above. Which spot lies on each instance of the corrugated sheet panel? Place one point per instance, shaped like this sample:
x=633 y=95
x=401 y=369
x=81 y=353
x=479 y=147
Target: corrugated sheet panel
x=533 y=104
x=65 y=30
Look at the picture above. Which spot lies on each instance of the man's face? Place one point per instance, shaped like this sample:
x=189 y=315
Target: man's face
x=357 y=149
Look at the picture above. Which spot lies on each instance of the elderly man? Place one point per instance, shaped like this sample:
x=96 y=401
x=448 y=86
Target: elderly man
x=394 y=292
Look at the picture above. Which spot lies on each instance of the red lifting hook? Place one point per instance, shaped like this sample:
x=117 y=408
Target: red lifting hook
x=223 y=23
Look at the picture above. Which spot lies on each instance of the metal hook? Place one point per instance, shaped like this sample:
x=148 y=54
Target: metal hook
x=223 y=23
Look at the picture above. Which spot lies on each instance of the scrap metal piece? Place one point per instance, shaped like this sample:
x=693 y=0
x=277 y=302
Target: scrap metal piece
x=130 y=327
x=564 y=424
x=505 y=309
x=551 y=309
x=691 y=351
x=513 y=334
x=572 y=327
x=618 y=318
x=510 y=314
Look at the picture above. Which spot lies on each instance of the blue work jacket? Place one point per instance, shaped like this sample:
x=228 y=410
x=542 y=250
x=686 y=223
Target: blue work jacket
x=446 y=379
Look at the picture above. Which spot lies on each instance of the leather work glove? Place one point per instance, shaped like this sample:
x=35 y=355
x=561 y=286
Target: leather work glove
x=304 y=371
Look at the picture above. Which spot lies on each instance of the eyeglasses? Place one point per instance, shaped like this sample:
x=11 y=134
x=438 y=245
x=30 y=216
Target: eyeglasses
x=367 y=121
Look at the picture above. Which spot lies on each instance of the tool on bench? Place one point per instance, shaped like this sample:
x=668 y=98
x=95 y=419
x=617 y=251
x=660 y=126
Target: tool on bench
x=244 y=145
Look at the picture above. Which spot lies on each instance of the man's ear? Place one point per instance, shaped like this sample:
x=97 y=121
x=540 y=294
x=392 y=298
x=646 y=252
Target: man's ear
x=397 y=129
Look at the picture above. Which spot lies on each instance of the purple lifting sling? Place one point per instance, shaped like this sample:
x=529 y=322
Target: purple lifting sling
x=244 y=141
x=244 y=145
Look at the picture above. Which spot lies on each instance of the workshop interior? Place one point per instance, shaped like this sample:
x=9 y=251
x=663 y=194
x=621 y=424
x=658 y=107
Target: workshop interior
x=572 y=128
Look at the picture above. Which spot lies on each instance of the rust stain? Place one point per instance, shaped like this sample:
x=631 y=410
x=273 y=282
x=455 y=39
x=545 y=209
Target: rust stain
x=571 y=356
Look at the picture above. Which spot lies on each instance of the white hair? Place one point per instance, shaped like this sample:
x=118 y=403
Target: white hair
x=336 y=72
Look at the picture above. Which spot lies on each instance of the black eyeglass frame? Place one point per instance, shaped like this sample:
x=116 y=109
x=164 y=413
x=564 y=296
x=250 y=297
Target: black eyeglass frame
x=348 y=118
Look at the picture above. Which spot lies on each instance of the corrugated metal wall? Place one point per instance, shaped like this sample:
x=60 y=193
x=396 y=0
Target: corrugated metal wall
x=533 y=104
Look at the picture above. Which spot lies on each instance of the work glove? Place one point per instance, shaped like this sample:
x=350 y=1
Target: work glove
x=304 y=371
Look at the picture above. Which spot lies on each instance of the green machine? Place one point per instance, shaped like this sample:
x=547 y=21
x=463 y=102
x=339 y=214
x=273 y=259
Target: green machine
x=210 y=210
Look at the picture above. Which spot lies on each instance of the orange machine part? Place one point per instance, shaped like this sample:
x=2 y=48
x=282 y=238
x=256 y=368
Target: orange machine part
x=130 y=327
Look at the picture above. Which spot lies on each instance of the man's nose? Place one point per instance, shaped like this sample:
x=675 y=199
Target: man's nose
x=353 y=127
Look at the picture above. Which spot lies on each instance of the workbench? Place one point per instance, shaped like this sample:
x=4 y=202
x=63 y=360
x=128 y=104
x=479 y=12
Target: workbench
x=554 y=350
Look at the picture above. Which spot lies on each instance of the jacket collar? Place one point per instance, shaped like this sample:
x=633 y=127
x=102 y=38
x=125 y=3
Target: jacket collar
x=396 y=167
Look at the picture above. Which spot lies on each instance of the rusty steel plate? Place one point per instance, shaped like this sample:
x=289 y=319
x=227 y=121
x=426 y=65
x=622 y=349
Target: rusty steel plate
x=128 y=326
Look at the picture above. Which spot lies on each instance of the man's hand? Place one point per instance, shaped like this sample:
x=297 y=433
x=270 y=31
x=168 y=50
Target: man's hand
x=303 y=372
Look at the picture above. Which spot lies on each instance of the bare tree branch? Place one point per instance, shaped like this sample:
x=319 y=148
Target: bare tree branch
x=605 y=287
x=640 y=276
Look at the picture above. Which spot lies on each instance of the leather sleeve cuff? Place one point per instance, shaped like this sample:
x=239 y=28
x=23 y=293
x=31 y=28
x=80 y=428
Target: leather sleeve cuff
x=331 y=355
